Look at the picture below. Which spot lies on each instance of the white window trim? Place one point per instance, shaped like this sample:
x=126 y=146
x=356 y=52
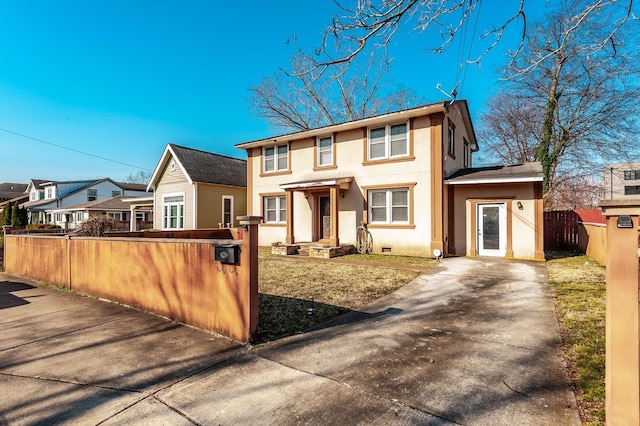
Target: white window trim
x=228 y=197
x=388 y=206
x=162 y=211
x=276 y=169
x=279 y=199
x=319 y=151
x=387 y=141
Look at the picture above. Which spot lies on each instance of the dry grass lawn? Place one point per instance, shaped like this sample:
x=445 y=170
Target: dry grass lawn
x=297 y=293
x=579 y=284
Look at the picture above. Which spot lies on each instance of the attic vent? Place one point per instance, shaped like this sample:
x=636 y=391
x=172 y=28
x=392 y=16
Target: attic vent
x=172 y=166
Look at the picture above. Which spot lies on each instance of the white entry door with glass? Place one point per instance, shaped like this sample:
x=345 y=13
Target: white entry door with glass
x=492 y=229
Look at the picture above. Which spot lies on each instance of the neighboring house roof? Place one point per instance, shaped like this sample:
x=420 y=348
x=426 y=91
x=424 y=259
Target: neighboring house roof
x=19 y=199
x=119 y=203
x=127 y=186
x=443 y=106
x=527 y=172
x=203 y=167
x=12 y=190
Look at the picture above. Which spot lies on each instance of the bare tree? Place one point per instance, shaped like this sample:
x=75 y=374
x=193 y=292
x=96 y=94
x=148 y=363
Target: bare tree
x=374 y=23
x=139 y=177
x=298 y=100
x=578 y=192
x=580 y=96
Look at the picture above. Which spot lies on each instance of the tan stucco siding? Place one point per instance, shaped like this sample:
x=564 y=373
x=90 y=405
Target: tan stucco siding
x=456 y=162
x=523 y=222
x=210 y=204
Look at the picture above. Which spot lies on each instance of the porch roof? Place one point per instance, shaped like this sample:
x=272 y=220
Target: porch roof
x=527 y=172
x=342 y=182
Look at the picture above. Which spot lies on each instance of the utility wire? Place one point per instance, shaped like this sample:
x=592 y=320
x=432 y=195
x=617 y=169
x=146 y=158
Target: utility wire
x=73 y=150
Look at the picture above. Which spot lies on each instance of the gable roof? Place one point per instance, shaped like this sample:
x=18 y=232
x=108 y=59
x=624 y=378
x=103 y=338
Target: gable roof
x=527 y=172
x=203 y=167
x=460 y=106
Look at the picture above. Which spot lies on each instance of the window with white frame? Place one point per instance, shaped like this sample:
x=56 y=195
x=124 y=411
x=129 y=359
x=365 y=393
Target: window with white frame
x=79 y=216
x=117 y=215
x=50 y=192
x=275 y=209
x=390 y=141
x=276 y=158
x=92 y=194
x=60 y=217
x=389 y=206
x=173 y=211
x=631 y=174
x=452 y=138
x=227 y=210
x=325 y=151
x=141 y=216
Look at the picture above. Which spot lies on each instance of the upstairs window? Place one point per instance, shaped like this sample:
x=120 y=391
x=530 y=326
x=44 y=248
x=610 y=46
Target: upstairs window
x=92 y=194
x=325 y=151
x=452 y=138
x=275 y=209
x=276 y=158
x=632 y=175
x=115 y=193
x=632 y=190
x=50 y=192
x=390 y=141
x=227 y=210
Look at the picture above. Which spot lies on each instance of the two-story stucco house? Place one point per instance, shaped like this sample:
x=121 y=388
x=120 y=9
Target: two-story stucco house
x=195 y=189
x=407 y=175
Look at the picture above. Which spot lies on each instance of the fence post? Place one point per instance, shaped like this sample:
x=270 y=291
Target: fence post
x=249 y=254
x=622 y=376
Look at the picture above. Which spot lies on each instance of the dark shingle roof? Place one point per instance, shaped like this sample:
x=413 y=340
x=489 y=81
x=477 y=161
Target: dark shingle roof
x=207 y=167
x=132 y=186
x=12 y=190
x=513 y=173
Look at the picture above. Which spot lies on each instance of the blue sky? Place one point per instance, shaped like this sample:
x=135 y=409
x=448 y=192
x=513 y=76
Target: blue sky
x=119 y=79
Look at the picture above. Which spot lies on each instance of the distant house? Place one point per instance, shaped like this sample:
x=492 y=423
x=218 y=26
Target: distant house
x=118 y=208
x=9 y=191
x=48 y=196
x=621 y=181
x=195 y=189
x=407 y=175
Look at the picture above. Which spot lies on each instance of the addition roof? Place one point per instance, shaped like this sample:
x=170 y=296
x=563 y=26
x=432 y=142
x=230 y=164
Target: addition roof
x=203 y=167
x=527 y=172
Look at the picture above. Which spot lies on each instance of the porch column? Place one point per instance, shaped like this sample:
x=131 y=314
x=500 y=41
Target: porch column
x=291 y=239
x=334 y=196
x=132 y=219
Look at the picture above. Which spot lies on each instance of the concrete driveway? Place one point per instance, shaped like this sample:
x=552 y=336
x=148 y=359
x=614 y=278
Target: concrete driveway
x=474 y=342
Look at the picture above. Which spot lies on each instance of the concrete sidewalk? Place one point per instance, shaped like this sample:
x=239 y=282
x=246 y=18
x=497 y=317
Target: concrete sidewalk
x=475 y=342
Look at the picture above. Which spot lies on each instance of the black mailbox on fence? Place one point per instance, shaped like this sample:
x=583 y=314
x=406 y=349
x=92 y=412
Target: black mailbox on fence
x=227 y=253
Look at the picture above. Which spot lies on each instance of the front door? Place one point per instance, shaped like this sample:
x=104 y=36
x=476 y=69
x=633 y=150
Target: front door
x=492 y=224
x=325 y=217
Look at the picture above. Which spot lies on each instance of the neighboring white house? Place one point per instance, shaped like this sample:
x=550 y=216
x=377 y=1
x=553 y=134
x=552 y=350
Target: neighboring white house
x=407 y=175
x=117 y=208
x=60 y=194
x=621 y=181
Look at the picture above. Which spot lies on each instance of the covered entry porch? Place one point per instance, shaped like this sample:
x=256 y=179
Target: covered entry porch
x=319 y=214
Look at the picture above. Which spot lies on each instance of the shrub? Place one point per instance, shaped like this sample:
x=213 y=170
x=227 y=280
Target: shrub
x=97 y=226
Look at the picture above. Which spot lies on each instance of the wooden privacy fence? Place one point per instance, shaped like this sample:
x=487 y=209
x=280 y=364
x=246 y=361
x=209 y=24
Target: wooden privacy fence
x=176 y=277
x=561 y=230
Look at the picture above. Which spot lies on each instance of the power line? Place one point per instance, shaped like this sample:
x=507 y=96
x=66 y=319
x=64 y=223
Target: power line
x=73 y=150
